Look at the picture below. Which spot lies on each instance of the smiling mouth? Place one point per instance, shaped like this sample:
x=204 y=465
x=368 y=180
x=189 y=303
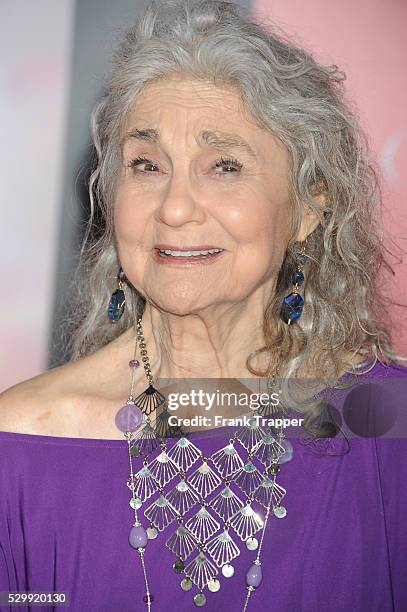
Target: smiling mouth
x=190 y=254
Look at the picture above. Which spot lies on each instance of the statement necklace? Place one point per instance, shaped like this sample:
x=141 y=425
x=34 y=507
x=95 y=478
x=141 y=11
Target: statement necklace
x=204 y=502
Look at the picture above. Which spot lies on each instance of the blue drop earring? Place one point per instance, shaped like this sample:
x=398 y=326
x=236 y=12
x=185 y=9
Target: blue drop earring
x=291 y=308
x=117 y=300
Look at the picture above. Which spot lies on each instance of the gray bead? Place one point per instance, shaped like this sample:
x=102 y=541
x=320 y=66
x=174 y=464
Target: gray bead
x=252 y=543
x=214 y=585
x=199 y=600
x=279 y=511
x=135 y=503
x=151 y=533
x=228 y=570
x=186 y=584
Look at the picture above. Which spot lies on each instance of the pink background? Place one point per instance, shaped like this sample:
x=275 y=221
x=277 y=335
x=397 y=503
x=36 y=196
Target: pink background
x=367 y=40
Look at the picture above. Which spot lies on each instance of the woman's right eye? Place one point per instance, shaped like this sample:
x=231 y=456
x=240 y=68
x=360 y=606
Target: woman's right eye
x=141 y=160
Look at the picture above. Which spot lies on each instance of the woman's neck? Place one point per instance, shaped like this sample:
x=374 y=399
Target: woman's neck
x=210 y=345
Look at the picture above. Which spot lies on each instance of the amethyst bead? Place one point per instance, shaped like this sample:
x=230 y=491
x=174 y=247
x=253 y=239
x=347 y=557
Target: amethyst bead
x=134 y=363
x=129 y=418
x=138 y=537
x=254 y=576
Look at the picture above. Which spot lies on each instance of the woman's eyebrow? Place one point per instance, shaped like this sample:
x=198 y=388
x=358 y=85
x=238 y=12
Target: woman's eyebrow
x=217 y=140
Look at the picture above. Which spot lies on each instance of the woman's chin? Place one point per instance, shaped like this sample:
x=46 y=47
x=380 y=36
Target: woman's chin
x=181 y=306
x=177 y=306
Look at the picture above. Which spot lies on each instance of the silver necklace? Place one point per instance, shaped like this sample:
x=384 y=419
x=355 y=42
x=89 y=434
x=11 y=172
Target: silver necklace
x=204 y=502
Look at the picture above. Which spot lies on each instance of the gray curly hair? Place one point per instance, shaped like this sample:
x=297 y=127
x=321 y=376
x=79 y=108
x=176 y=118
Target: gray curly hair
x=302 y=103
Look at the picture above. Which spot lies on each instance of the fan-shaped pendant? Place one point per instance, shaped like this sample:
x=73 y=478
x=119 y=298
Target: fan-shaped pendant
x=250 y=435
x=227 y=460
x=149 y=400
x=269 y=493
x=182 y=497
x=248 y=478
x=144 y=484
x=160 y=513
x=163 y=469
x=268 y=449
x=246 y=522
x=181 y=542
x=145 y=439
x=201 y=570
x=226 y=503
x=204 y=480
x=184 y=454
x=163 y=429
x=222 y=549
x=202 y=525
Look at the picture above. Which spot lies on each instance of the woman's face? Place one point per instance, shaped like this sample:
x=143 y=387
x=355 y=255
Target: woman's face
x=206 y=178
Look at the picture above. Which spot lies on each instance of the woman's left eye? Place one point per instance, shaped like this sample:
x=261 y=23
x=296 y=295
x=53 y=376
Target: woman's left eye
x=229 y=164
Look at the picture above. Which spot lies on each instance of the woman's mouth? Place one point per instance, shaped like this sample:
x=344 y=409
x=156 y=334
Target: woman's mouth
x=184 y=257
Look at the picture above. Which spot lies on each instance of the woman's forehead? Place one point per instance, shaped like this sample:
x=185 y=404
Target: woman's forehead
x=197 y=98
x=216 y=117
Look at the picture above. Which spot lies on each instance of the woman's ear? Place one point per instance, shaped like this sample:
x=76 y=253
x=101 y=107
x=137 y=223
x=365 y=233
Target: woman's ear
x=311 y=218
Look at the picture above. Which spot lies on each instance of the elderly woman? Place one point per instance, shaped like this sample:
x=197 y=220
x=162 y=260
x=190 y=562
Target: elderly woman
x=113 y=497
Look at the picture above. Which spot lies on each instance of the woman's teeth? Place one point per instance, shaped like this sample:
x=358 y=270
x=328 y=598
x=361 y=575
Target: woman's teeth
x=167 y=253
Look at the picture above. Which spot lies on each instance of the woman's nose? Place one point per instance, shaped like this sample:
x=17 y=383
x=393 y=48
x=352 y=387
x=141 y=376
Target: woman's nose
x=179 y=204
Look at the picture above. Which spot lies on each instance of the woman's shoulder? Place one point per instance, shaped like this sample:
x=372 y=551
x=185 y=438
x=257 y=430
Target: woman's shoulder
x=57 y=401
x=66 y=400
x=30 y=404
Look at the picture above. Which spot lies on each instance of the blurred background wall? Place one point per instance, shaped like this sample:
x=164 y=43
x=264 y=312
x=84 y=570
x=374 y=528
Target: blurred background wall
x=54 y=58
x=35 y=67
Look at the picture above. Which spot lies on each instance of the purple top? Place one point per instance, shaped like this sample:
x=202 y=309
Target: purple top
x=65 y=521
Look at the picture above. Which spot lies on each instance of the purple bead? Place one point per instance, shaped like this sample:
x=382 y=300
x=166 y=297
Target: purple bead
x=145 y=598
x=138 y=537
x=254 y=576
x=129 y=418
x=134 y=363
